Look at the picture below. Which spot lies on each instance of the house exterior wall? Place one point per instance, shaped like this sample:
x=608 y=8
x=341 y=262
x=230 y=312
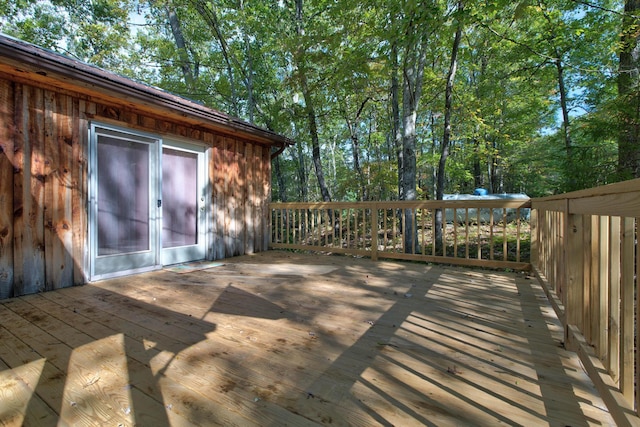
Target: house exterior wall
x=43 y=184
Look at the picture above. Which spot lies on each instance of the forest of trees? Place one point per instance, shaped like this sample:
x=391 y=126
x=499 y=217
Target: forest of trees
x=403 y=99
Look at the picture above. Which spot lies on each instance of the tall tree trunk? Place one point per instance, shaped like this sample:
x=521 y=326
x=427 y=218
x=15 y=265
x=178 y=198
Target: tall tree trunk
x=413 y=72
x=315 y=140
x=183 y=53
x=248 y=76
x=434 y=149
x=477 y=168
x=302 y=174
x=395 y=114
x=277 y=170
x=566 y=125
x=211 y=18
x=310 y=109
x=355 y=143
x=251 y=103
x=446 y=137
x=564 y=106
x=629 y=93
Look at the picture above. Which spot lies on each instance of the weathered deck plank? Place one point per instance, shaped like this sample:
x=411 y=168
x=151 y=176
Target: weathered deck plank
x=284 y=339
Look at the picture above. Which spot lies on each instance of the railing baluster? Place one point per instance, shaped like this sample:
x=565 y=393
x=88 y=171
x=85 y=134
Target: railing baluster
x=505 y=248
x=375 y=227
x=355 y=228
x=518 y=232
x=466 y=233
x=491 y=241
x=421 y=235
x=479 y=235
x=455 y=232
x=603 y=282
x=587 y=277
x=614 y=298
x=627 y=296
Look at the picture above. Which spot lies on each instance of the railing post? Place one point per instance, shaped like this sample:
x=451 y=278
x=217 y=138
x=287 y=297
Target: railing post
x=574 y=279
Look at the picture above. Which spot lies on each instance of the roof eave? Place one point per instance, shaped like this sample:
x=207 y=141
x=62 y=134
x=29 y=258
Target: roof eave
x=47 y=63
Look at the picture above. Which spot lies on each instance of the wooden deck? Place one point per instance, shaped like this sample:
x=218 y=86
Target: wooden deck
x=281 y=339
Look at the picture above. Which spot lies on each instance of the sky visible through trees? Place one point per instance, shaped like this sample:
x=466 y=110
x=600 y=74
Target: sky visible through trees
x=386 y=99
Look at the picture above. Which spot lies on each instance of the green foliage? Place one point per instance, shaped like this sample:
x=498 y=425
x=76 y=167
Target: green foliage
x=507 y=133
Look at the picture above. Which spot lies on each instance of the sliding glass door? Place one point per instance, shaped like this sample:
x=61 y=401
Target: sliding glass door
x=147 y=202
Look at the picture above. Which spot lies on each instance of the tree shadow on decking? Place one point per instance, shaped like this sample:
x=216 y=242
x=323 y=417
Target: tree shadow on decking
x=443 y=346
x=86 y=336
x=459 y=349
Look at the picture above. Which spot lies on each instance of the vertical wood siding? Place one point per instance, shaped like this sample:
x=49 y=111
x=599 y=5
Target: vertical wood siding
x=29 y=191
x=43 y=186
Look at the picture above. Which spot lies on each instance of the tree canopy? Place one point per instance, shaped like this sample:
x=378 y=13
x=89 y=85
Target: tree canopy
x=387 y=99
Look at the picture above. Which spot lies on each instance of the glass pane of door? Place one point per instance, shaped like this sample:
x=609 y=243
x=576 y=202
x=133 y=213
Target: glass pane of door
x=123 y=196
x=179 y=198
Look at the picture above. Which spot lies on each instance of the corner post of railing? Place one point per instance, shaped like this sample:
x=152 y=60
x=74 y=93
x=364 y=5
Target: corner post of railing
x=374 y=231
x=574 y=271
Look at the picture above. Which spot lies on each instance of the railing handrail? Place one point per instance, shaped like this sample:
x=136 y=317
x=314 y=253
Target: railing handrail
x=407 y=204
x=619 y=199
x=631 y=186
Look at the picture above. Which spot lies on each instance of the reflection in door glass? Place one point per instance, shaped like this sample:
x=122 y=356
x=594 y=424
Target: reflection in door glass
x=123 y=196
x=179 y=198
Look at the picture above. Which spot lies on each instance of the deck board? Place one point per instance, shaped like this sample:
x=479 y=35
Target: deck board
x=280 y=339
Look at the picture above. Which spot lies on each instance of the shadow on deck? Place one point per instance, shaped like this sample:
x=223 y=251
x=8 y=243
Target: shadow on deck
x=288 y=339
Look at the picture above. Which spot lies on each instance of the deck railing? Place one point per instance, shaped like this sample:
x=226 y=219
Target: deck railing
x=585 y=252
x=489 y=233
x=582 y=246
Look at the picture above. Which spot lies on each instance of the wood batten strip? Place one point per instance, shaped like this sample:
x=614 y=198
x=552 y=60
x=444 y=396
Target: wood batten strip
x=7 y=169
